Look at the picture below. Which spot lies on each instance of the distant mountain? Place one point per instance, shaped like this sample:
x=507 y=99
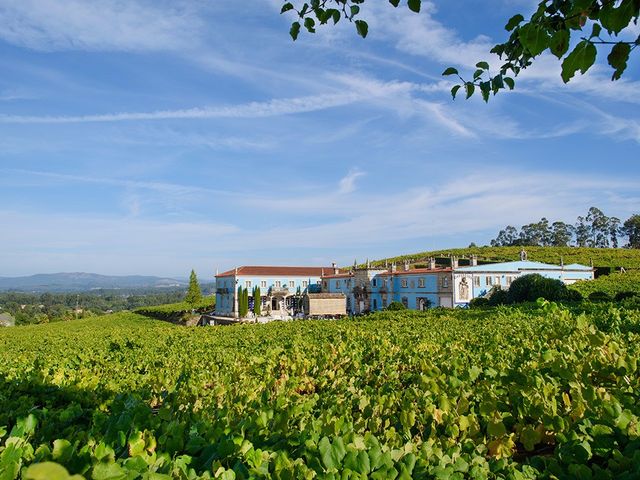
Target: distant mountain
x=80 y=282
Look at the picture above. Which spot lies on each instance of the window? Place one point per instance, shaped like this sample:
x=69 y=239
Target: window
x=421 y=282
x=375 y=304
x=305 y=283
x=404 y=283
x=413 y=284
x=405 y=302
x=489 y=280
x=278 y=284
x=337 y=283
x=247 y=284
x=476 y=281
x=374 y=282
x=263 y=284
x=292 y=283
x=497 y=280
x=509 y=280
x=445 y=282
x=324 y=284
x=348 y=283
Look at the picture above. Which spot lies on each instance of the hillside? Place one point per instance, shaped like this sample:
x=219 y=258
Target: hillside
x=79 y=281
x=603 y=258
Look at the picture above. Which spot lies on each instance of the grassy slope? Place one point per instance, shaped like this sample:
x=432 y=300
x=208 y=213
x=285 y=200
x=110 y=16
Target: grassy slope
x=611 y=284
x=602 y=257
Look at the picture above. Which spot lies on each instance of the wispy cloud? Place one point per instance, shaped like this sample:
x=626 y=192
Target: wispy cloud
x=347 y=183
x=130 y=25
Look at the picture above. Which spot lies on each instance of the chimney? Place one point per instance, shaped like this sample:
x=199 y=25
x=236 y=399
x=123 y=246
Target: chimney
x=368 y=264
x=406 y=266
x=432 y=263
x=454 y=262
x=394 y=268
x=474 y=260
x=335 y=268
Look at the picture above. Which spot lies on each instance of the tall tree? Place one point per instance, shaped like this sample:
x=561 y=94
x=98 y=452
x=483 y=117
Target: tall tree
x=614 y=231
x=257 y=301
x=599 y=228
x=194 y=294
x=561 y=234
x=582 y=232
x=555 y=27
x=631 y=228
x=506 y=238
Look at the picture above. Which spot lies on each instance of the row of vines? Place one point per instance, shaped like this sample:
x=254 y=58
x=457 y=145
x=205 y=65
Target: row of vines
x=500 y=393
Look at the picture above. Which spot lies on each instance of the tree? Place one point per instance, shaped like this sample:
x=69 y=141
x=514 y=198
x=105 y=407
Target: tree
x=582 y=232
x=631 y=228
x=550 y=28
x=194 y=294
x=614 y=231
x=599 y=228
x=561 y=234
x=257 y=300
x=506 y=238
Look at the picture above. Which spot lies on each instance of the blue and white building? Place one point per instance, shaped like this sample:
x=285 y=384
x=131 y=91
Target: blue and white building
x=478 y=280
x=279 y=287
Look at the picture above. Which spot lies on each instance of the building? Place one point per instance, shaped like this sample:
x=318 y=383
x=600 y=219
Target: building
x=369 y=289
x=281 y=288
x=478 y=280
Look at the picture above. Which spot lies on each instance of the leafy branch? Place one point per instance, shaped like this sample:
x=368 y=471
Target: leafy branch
x=549 y=28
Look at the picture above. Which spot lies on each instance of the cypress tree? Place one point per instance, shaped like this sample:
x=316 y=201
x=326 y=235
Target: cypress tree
x=239 y=301
x=194 y=294
x=257 y=300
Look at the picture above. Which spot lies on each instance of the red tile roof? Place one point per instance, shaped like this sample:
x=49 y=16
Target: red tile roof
x=267 y=271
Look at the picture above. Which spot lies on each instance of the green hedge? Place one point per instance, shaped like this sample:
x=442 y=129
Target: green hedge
x=177 y=311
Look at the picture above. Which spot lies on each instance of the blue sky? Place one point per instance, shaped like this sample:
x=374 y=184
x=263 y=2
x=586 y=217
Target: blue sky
x=154 y=137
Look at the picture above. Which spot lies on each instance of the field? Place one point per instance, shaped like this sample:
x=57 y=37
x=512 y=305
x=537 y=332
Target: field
x=611 y=284
x=542 y=392
x=612 y=258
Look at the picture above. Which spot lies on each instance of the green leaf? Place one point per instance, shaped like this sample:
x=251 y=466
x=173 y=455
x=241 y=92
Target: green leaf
x=595 y=32
x=309 y=24
x=469 y=88
x=618 y=59
x=513 y=22
x=530 y=437
x=559 y=43
x=332 y=454
x=62 y=450
x=414 y=5
x=477 y=74
x=295 y=30
x=48 y=471
x=286 y=7
x=510 y=82
x=362 y=28
x=395 y=3
x=454 y=91
x=450 y=71
x=581 y=58
x=354 y=10
x=108 y=471
x=483 y=65
x=533 y=38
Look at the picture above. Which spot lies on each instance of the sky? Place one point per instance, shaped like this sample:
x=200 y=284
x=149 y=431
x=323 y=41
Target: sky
x=153 y=137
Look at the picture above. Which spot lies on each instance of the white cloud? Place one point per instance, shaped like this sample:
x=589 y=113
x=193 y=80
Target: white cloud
x=130 y=25
x=347 y=183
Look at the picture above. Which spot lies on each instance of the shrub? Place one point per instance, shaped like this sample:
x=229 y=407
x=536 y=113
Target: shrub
x=624 y=295
x=479 y=302
x=396 y=306
x=599 y=297
x=528 y=288
x=498 y=297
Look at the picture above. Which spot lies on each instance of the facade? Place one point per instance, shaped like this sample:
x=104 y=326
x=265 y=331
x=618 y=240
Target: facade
x=370 y=289
x=280 y=287
x=476 y=281
x=320 y=305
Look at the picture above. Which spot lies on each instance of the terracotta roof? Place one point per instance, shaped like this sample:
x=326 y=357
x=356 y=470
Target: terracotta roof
x=338 y=275
x=267 y=271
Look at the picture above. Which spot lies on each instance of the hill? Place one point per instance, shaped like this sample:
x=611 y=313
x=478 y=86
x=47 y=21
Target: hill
x=603 y=258
x=77 y=282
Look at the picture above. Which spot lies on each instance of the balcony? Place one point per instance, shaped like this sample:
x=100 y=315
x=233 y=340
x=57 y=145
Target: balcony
x=278 y=291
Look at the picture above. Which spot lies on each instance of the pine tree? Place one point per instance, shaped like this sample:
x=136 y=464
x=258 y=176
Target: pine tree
x=257 y=300
x=194 y=294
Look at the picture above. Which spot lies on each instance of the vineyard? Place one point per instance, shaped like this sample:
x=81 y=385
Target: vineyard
x=612 y=258
x=543 y=392
x=613 y=284
x=176 y=312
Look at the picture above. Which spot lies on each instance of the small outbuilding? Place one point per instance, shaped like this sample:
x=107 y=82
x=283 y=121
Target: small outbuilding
x=319 y=305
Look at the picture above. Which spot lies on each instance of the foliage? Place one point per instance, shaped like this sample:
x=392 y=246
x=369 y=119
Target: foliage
x=631 y=229
x=529 y=288
x=396 y=306
x=555 y=27
x=610 y=284
x=599 y=297
x=593 y=230
x=177 y=311
x=243 y=302
x=607 y=258
x=496 y=393
x=479 y=302
x=257 y=301
x=194 y=294
x=498 y=297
